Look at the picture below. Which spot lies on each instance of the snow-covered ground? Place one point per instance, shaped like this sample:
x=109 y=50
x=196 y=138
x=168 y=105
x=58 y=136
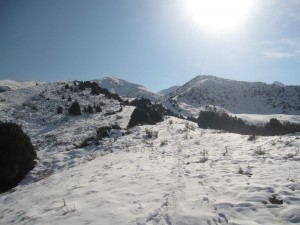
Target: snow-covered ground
x=185 y=175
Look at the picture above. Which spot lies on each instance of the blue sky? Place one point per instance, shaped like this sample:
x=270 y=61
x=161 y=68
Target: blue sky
x=155 y=43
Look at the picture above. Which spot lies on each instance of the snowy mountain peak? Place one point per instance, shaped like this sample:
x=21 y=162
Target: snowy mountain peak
x=114 y=79
x=125 y=88
x=233 y=96
x=206 y=78
x=277 y=83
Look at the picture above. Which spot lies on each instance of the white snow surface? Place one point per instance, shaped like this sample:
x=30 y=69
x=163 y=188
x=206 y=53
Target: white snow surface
x=193 y=178
x=185 y=176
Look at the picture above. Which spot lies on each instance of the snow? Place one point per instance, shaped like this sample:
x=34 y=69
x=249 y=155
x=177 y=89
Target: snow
x=185 y=176
x=126 y=89
x=141 y=182
x=168 y=90
x=236 y=97
x=233 y=97
x=13 y=84
x=278 y=83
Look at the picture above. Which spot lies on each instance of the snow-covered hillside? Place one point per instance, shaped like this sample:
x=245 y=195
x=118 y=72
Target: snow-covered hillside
x=184 y=176
x=234 y=96
x=57 y=135
x=14 y=84
x=126 y=89
x=172 y=173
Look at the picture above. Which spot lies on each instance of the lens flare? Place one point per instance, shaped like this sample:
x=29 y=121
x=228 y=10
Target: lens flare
x=220 y=15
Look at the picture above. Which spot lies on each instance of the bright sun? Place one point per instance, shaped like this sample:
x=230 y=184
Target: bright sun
x=219 y=16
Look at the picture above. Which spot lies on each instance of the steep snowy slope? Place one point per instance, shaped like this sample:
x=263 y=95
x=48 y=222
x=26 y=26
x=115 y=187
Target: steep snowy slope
x=234 y=96
x=125 y=88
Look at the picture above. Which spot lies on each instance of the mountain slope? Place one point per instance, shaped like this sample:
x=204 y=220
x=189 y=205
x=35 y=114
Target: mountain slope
x=233 y=96
x=125 y=88
x=56 y=135
x=169 y=173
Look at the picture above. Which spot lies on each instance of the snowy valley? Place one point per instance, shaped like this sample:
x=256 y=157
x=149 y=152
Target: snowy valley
x=168 y=173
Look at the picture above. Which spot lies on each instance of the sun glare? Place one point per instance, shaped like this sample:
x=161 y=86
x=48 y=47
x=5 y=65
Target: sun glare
x=219 y=16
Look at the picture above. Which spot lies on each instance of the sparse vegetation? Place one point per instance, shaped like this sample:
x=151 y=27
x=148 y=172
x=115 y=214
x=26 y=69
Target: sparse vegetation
x=17 y=155
x=151 y=133
x=275 y=200
x=66 y=210
x=30 y=105
x=97 y=90
x=81 y=87
x=97 y=108
x=251 y=137
x=222 y=121
x=86 y=142
x=240 y=170
x=118 y=117
x=148 y=113
x=190 y=126
x=103 y=132
x=247 y=171
x=88 y=109
x=139 y=116
x=259 y=151
x=164 y=142
x=203 y=158
x=59 y=110
x=75 y=109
